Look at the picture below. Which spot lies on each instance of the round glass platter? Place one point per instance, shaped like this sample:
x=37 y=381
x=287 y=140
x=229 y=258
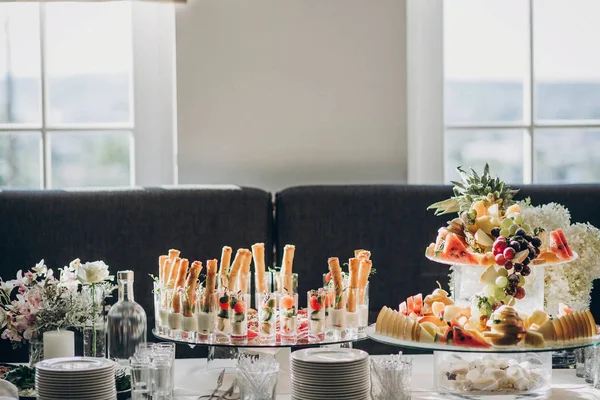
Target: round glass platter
x=550 y=346
x=301 y=341
x=483 y=267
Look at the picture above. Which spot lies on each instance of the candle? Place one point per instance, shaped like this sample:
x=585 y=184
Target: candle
x=59 y=344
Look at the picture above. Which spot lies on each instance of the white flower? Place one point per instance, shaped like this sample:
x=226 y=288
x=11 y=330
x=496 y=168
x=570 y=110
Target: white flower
x=68 y=279
x=40 y=268
x=3 y=318
x=93 y=272
x=74 y=265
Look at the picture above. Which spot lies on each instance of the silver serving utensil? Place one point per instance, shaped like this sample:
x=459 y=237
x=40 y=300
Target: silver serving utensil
x=219 y=384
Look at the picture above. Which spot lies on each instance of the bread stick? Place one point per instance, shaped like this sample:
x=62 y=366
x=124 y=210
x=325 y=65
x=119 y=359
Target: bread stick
x=362 y=254
x=236 y=267
x=353 y=266
x=336 y=274
x=224 y=269
x=190 y=288
x=363 y=277
x=258 y=253
x=162 y=264
x=211 y=277
x=179 y=281
x=286 y=268
x=173 y=254
x=244 y=277
x=173 y=270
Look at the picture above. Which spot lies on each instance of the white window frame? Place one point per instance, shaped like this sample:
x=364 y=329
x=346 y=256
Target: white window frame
x=426 y=125
x=152 y=102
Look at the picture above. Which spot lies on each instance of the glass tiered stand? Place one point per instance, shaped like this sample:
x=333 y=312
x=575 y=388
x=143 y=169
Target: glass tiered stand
x=531 y=370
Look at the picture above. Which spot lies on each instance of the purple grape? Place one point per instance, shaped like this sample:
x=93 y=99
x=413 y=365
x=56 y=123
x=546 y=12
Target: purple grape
x=536 y=241
x=508 y=265
x=518 y=267
x=513 y=279
x=526 y=271
x=515 y=245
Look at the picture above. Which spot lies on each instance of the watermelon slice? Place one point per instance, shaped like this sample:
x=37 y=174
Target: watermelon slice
x=441 y=237
x=418 y=303
x=410 y=304
x=461 y=337
x=558 y=247
x=564 y=240
x=455 y=250
x=403 y=309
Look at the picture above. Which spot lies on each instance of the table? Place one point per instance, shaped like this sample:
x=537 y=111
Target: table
x=192 y=380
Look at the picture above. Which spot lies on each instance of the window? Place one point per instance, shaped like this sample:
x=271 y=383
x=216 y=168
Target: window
x=70 y=75
x=522 y=89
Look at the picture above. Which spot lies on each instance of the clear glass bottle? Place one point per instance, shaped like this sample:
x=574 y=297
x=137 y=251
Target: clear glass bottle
x=126 y=322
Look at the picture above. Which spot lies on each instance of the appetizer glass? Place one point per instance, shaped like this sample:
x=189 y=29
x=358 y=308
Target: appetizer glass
x=267 y=286
x=223 y=325
x=280 y=286
x=328 y=306
x=160 y=312
x=267 y=320
x=189 y=321
x=206 y=311
x=352 y=317
x=174 y=314
x=238 y=304
x=288 y=315
x=363 y=308
x=337 y=313
x=316 y=314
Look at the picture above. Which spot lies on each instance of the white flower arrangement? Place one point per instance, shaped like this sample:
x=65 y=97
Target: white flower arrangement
x=569 y=283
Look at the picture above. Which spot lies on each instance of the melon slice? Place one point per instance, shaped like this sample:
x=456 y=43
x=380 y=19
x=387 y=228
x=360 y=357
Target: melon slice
x=455 y=250
x=564 y=240
x=558 y=247
x=402 y=308
x=410 y=305
x=547 y=330
x=592 y=322
x=381 y=318
x=418 y=303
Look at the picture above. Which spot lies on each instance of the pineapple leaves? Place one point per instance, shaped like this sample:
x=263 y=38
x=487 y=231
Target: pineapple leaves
x=471 y=188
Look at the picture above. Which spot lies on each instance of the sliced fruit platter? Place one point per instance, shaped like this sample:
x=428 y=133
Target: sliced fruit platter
x=436 y=323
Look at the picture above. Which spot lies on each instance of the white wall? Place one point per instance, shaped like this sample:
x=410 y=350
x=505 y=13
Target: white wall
x=275 y=93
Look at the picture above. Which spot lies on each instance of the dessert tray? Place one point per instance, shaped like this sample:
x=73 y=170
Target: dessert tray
x=520 y=348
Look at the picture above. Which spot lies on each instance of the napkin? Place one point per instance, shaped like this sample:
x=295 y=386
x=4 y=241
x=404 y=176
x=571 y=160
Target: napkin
x=8 y=390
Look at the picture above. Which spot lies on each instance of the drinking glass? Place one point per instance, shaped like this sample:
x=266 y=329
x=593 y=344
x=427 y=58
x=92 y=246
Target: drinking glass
x=591 y=363
x=352 y=312
x=329 y=302
x=316 y=314
x=144 y=352
x=337 y=313
x=162 y=377
x=223 y=325
x=174 y=313
x=267 y=306
x=257 y=378
x=594 y=370
x=288 y=315
x=159 y=312
x=390 y=377
x=238 y=302
x=206 y=313
x=363 y=308
x=281 y=287
x=141 y=383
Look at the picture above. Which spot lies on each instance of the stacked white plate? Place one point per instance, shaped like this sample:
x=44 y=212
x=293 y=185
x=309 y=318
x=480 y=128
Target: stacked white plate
x=330 y=373
x=82 y=378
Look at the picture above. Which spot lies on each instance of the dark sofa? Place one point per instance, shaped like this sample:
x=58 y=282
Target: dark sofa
x=129 y=229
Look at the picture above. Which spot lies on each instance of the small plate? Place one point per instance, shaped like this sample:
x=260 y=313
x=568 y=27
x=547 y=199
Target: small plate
x=329 y=356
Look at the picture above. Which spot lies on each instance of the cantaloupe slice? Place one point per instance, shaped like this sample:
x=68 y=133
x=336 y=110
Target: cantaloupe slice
x=380 y=318
x=399 y=328
x=408 y=329
x=572 y=324
x=580 y=315
x=548 y=331
x=560 y=334
x=592 y=322
x=389 y=327
x=425 y=336
x=565 y=328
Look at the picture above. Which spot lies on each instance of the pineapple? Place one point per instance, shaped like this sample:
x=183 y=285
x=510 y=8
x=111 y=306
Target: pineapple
x=474 y=188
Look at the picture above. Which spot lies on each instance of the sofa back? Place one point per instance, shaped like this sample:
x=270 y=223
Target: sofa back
x=128 y=230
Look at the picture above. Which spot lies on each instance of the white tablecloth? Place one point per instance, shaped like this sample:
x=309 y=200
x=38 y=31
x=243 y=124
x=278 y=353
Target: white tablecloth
x=193 y=379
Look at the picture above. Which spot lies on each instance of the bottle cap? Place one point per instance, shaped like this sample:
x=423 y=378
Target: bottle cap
x=125 y=275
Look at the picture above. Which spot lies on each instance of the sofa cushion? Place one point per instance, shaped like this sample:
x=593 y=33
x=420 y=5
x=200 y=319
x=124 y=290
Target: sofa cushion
x=128 y=230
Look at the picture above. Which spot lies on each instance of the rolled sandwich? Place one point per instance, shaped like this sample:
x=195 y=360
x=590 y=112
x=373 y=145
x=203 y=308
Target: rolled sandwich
x=190 y=288
x=244 y=278
x=236 y=267
x=179 y=281
x=173 y=268
x=336 y=274
x=286 y=269
x=362 y=254
x=224 y=269
x=162 y=265
x=173 y=255
x=211 y=277
x=363 y=277
x=258 y=253
x=353 y=266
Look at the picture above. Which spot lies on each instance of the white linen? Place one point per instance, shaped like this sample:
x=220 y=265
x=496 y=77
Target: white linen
x=192 y=380
x=8 y=390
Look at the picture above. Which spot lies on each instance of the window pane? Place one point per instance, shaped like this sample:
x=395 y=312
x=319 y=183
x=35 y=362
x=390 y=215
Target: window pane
x=20 y=83
x=567 y=63
x=89 y=73
x=20 y=160
x=90 y=159
x=485 y=60
x=501 y=149
x=567 y=155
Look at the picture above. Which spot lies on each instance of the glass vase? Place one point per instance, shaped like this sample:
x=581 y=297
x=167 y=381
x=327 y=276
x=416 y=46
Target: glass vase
x=94 y=340
x=36 y=351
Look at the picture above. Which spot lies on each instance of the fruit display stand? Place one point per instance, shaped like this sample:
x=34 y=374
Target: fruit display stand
x=506 y=372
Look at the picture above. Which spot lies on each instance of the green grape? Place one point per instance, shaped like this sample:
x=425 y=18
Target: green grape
x=488 y=290
x=506 y=223
x=502 y=272
x=501 y=282
x=513 y=228
x=491 y=299
x=519 y=219
x=504 y=232
x=499 y=294
x=521 y=280
x=526 y=227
